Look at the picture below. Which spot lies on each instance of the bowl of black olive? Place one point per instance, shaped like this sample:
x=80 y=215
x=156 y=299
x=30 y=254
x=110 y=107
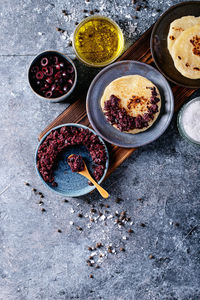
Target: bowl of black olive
x=52 y=76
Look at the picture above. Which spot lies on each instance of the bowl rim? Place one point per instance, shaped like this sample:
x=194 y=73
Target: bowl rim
x=91 y=188
x=171 y=8
x=66 y=57
x=97 y=77
x=180 y=123
x=98 y=17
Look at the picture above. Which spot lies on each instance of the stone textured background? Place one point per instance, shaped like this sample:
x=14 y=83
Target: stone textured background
x=36 y=261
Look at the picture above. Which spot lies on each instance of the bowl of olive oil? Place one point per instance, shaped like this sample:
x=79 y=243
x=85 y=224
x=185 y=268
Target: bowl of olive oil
x=98 y=41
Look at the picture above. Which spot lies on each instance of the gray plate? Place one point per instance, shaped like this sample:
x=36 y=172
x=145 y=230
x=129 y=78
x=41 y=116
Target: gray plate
x=98 y=120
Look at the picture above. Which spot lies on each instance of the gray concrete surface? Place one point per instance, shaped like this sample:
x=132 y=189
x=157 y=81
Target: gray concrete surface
x=36 y=261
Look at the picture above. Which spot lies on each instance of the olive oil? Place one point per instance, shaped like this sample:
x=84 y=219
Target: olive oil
x=98 y=41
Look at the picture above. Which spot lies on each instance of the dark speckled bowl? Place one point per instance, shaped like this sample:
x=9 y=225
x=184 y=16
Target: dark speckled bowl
x=159 y=50
x=98 y=120
x=72 y=184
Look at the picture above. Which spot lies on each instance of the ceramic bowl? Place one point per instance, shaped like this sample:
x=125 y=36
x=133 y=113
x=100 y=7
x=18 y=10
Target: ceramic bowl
x=64 y=57
x=71 y=184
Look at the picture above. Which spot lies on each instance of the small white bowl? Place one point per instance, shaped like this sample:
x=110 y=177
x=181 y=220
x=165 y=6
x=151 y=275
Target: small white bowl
x=180 y=122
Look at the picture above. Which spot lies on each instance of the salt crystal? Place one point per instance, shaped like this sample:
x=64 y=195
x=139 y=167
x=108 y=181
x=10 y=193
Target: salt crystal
x=124 y=237
x=102 y=218
x=71 y=211
x=191 y=120
x=93 y=254
x=110 y=217
x=71 y=222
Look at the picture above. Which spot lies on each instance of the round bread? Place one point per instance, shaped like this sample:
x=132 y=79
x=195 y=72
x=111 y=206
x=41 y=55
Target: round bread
x=128 y=89
x=177 y=27
x=186 y=53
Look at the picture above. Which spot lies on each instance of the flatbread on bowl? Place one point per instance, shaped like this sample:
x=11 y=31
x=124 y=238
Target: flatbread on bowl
x=177 y=27
x=186 y=53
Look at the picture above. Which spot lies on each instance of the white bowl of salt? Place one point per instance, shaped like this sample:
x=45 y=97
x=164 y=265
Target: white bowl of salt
x=189 y=121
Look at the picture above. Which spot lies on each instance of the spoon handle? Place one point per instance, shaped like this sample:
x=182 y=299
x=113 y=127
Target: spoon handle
x=103 y=192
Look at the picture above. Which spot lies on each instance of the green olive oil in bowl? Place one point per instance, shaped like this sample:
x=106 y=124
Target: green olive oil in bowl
x=98 y=41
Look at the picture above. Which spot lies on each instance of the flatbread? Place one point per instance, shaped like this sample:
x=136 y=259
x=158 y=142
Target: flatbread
x=177 y=27
x=186 y=53
x=125 y=88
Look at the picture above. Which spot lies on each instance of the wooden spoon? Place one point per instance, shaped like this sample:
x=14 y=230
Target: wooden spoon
x=86 y=174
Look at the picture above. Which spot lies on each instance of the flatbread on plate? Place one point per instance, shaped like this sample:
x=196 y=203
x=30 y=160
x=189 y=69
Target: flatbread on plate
x=125 y=88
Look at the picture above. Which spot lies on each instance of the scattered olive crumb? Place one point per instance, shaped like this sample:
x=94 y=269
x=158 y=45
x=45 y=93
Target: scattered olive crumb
x=70 y=44
x=99 y=245
x=93 y=210
x=58 y=29
x=40 y=202
x=91 y=12
x=59 y=230
x=133 y=1
x=91 y=276
x=96 y=10
x=138 y=7
x=140 y=199
x=100 y=214
x=64 y=12
x=87 y=0
x=80 y=215
x=89 y=263
x=41 y=196
x=26 y=183
x=85 y=10
x=118 y=200
x=122 y=249
x=142 y=224
x=101 y=205
x=55 y=184
x=65 y=200
x=97 y=267
x=76 y=23
x=130 y=230
x=158 y=10
x=135 y=17
x=34 y=190
x=90 y=248
x=79 y=228
x=91 y=220
x=109 y=249
x=151 y=256
x=40 y=193
x=43 y=209
x=176 y=224
x=107 y=206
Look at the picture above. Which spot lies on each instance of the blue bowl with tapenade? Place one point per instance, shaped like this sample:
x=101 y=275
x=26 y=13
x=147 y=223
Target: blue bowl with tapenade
x=54 y=149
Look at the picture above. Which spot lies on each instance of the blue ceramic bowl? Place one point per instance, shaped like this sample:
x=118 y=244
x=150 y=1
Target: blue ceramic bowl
x=71 y=184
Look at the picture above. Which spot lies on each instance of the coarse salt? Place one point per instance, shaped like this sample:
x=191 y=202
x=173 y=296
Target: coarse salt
x=191 y=120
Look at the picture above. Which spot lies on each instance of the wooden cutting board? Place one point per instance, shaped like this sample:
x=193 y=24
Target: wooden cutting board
x=76 y=112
